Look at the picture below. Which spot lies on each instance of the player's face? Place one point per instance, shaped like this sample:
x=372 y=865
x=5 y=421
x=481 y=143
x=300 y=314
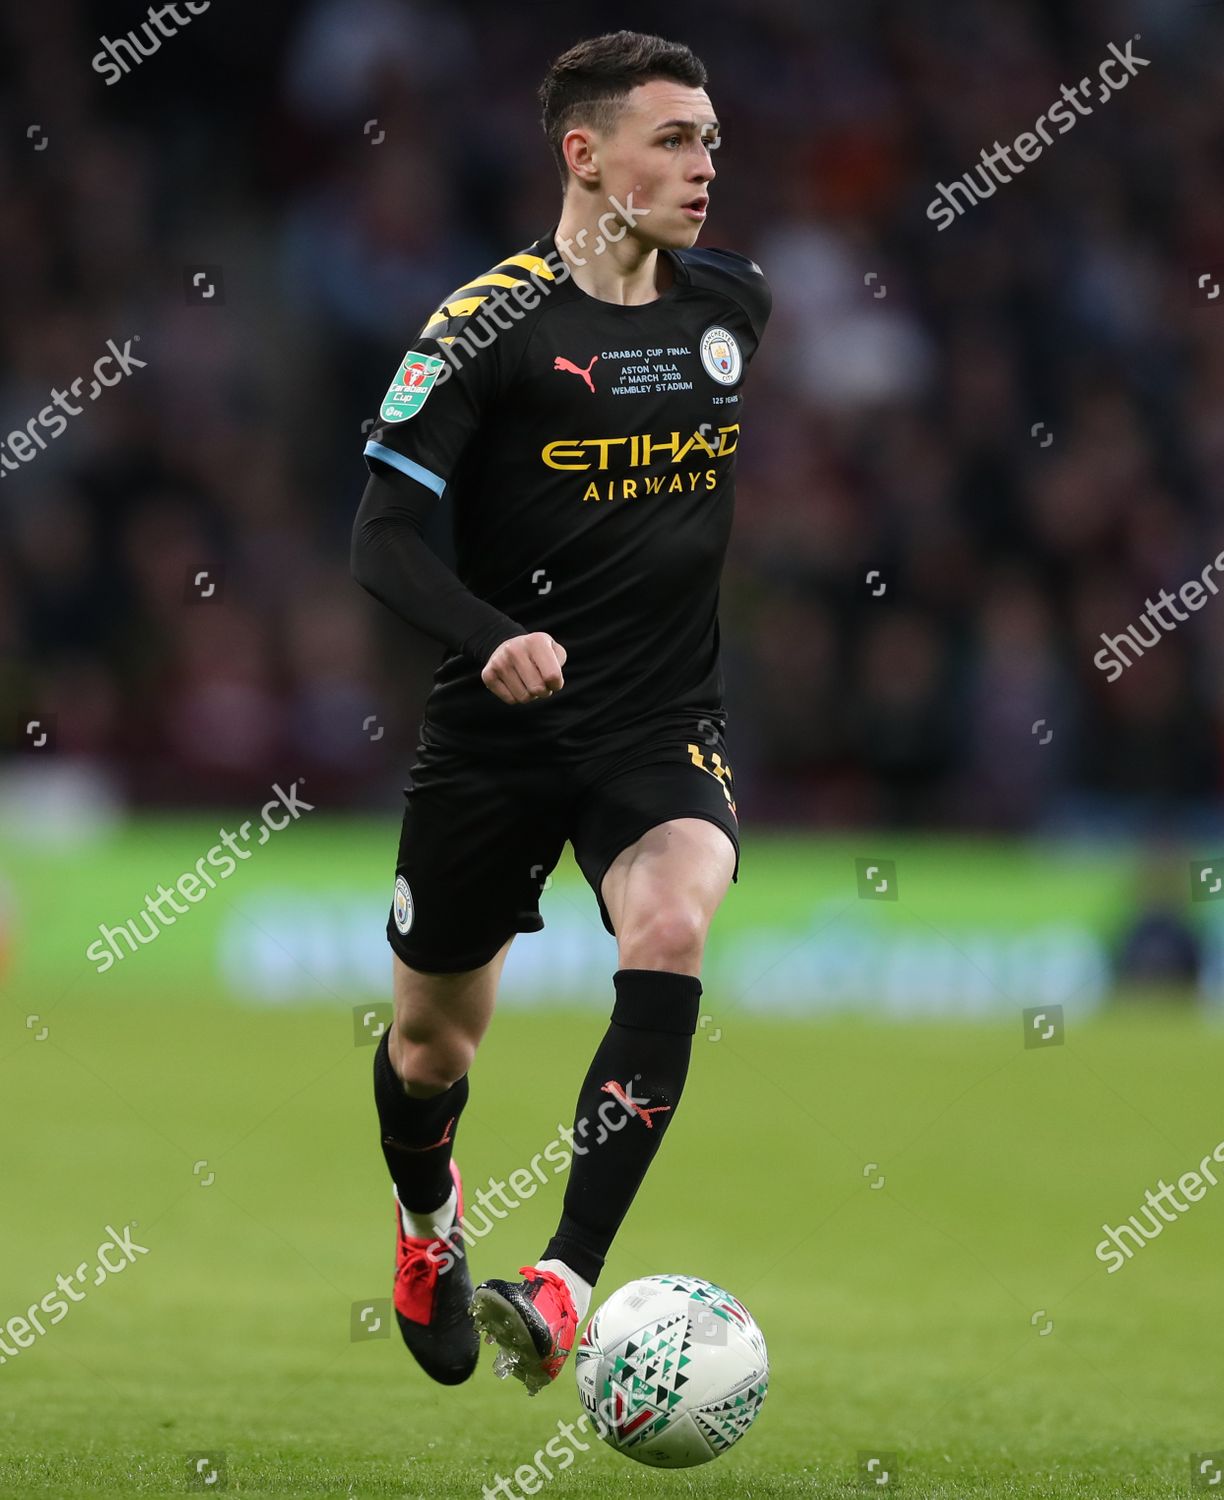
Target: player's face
x=661 y=154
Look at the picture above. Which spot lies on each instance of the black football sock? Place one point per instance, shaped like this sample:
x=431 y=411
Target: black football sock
x=416 y=1134
x=624 y=1107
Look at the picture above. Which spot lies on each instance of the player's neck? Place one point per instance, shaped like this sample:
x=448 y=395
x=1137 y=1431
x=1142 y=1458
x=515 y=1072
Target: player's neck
x=622 y=271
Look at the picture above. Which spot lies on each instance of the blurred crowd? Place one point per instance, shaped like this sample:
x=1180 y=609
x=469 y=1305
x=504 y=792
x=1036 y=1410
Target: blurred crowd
x=967 y=453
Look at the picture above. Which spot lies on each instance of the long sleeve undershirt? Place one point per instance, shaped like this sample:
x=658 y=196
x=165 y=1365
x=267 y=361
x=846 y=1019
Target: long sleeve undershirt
x=392 y=560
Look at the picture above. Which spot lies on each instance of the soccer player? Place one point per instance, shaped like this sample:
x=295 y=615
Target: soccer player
x=580 y=405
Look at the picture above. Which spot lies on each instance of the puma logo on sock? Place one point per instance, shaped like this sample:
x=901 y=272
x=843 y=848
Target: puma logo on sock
x=619 y=1094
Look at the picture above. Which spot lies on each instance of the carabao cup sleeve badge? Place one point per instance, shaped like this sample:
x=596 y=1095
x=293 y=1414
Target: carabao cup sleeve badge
x=417 y=376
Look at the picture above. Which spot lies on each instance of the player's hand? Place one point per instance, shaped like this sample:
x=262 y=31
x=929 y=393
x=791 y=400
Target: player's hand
x=525 y=667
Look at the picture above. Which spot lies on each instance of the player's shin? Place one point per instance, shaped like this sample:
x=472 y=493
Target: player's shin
x=417 y=1136
x=625 y=1105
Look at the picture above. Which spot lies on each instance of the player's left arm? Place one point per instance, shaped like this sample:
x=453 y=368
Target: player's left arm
x=756 y=296
x=739 y=279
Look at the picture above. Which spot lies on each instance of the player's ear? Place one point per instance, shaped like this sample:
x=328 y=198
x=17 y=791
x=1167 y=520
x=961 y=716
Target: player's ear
x=580 y=154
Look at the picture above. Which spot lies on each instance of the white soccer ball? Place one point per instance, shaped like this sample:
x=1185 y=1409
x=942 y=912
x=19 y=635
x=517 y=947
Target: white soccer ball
x=672 y=1370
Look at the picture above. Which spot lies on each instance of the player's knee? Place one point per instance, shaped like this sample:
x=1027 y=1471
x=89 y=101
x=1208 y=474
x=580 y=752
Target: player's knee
x=428 y=1063
x=669 y=936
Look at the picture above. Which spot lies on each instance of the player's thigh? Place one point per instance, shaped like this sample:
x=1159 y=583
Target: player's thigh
x=440 y=1019
x=658 y=838
x=662 y=891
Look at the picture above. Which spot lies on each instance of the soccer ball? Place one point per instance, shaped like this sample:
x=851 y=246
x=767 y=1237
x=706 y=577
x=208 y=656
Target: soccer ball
x=672 y=1370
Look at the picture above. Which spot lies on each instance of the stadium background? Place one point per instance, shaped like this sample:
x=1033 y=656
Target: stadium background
x=967 y=454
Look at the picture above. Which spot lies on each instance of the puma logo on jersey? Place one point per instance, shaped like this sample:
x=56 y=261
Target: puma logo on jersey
x=561 y=363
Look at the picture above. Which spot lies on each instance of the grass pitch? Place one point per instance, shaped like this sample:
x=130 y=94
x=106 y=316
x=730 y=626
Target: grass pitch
x=904 y=1209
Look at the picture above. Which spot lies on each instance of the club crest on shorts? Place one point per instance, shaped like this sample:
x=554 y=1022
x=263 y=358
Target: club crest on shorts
x=416 y=377
x=721 y=356
x=402 y=908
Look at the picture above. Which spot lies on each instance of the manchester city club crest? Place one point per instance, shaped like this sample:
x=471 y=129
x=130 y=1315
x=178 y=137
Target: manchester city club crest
x=721 y=356
x=403 y=905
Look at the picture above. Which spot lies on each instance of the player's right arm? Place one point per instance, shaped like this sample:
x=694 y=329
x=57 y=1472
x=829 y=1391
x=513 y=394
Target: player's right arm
x=392 y=560
x=426 y=424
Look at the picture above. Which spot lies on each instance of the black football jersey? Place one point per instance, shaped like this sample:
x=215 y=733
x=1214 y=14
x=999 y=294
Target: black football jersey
x=588 y=452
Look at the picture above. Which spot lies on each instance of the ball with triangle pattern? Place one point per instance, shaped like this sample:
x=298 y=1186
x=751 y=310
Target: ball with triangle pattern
x=672 y=1370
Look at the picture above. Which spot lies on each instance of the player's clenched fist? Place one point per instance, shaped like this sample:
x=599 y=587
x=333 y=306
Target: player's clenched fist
x=525 y=667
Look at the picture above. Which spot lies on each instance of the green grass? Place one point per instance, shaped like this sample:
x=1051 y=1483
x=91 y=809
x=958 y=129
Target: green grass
x=898 y=1318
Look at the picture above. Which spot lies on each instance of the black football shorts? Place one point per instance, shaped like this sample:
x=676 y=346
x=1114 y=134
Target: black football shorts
x=480 y=836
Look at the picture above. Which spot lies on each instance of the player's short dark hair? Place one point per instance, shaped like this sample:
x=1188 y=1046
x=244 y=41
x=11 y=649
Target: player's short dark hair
x=588 y=85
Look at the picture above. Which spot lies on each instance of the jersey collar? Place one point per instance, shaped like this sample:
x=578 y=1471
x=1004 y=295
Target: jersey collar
x=546 y=247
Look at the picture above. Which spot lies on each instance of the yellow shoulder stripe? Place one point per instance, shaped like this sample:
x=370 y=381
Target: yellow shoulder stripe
x=449 y=310
x=461 y=307
x=535 y=263
x=492 y=278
